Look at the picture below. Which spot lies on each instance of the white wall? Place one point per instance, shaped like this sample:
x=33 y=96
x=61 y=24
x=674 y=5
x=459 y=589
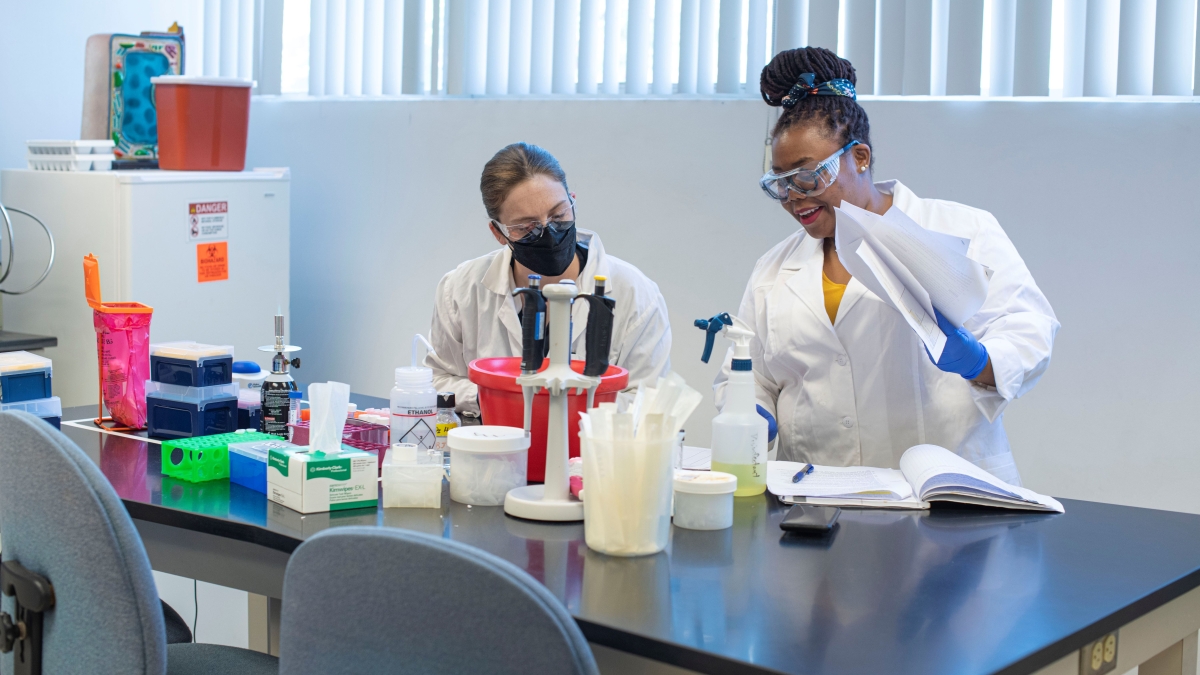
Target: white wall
x=42 y=79
x=1099 y=196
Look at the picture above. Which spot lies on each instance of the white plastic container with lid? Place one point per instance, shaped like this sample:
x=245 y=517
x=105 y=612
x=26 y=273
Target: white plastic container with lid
x=704 y=500
x=249 y=375
x=414 y=403
x=488 y=462
x=408 y=482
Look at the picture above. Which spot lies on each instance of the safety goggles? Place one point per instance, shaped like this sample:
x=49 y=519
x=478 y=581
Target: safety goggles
x=804 y=182
x=531 y=230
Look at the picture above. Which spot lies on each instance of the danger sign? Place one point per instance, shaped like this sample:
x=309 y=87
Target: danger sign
x=208 y=220
x=212 y=261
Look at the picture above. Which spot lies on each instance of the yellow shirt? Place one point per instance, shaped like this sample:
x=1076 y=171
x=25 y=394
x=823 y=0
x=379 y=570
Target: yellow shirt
x=833 y=296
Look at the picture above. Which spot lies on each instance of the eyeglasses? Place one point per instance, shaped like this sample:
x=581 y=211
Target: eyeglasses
x=804 y=182
x=530 y=230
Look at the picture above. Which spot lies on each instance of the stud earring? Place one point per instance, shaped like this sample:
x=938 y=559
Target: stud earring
x=862 y=169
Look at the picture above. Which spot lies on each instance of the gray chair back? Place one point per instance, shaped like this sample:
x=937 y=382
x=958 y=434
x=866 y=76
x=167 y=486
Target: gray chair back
x=384 y=600
x=62 y=519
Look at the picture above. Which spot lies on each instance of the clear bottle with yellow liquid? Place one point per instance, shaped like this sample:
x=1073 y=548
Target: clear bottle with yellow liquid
x=739 y=433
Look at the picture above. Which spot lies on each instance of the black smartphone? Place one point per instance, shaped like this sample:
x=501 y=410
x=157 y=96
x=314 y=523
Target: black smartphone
x=806 y=518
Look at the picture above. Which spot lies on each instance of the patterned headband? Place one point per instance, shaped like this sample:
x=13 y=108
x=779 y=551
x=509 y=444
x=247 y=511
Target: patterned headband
x=805 y=88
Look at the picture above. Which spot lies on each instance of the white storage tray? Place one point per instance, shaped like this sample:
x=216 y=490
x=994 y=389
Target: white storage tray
x=42 y=407
x=98 y=147
x=69 y=162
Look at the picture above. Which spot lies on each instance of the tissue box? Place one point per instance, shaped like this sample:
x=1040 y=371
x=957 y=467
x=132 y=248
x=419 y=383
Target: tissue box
x=407 y=484
x=313 y=482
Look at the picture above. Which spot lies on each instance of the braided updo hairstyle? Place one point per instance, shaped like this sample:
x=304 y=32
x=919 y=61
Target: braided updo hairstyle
x=841 y=116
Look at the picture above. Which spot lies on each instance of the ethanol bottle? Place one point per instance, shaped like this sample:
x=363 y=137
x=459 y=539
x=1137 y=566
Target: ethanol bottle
x=739 y=433
x=414 y=407
x=414 y=402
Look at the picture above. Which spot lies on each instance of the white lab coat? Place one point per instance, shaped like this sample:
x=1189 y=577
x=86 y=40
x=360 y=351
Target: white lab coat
x=475 y=316
x=863 y=390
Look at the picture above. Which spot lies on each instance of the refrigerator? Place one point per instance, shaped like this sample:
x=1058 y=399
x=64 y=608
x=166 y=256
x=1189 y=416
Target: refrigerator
x=207 y=250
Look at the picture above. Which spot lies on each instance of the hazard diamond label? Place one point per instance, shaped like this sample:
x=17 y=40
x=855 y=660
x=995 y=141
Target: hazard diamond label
x=420 y=433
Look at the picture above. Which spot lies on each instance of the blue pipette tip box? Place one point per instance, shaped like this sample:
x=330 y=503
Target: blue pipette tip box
x=25 y=377
x=248 y=463
x=183 y=412
x=191 y=364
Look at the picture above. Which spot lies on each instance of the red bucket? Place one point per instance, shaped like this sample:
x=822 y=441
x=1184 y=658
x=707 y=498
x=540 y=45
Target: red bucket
x=502 y=403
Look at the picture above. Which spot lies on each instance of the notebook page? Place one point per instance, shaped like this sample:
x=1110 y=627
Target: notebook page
x=956 y=285
x=861 y=482
x=934 y=471
x=913 y=305
x=887 y=277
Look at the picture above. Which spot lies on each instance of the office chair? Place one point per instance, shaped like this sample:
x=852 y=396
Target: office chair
x=72 y=557
x=384 y=600
x=178 y=630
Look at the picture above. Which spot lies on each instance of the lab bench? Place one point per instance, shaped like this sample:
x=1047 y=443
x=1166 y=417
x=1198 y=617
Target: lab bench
x=952 y=590
x=11 y=341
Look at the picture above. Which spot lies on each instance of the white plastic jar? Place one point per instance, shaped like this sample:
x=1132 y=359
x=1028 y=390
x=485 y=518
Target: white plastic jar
x=704 y=499
x=488 y=462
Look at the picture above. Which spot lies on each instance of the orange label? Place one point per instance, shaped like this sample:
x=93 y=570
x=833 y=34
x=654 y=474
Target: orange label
x=212 y=261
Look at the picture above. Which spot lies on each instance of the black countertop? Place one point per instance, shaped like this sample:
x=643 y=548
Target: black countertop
x=951 y=591
x=15 y=342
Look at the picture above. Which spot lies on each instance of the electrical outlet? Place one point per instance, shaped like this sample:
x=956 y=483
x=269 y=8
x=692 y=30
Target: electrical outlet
x=1099 y=657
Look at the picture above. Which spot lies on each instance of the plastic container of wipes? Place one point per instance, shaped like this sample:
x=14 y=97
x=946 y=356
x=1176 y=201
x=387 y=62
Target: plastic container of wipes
x=408 y=482
x=487 y=462
x=704 y=499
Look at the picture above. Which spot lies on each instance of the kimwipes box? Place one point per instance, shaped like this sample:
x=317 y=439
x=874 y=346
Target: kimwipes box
x=313 y=482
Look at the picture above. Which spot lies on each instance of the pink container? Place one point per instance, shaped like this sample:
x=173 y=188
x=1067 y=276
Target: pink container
x=123 y=351
x=355 y=429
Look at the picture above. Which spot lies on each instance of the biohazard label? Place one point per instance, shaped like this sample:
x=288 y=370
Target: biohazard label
x=208 y=220
x=212 y=261
x=416 y=430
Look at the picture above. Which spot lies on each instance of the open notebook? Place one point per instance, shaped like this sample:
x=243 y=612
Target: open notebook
x=927 y=473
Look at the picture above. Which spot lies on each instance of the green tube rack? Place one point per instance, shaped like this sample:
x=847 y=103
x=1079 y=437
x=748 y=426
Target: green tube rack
x=204 y=458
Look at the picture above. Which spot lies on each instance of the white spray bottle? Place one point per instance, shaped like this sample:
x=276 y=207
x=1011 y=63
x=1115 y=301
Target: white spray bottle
x=739 y=433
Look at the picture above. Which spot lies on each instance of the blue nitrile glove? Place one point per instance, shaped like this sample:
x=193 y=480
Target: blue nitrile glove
x=772 y=425
x=962 y=354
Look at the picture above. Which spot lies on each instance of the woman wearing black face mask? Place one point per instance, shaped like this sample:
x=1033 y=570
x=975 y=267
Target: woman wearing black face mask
x=532 y=216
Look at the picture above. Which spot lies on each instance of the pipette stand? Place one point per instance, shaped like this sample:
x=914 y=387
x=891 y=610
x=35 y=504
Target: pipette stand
x=552 y=501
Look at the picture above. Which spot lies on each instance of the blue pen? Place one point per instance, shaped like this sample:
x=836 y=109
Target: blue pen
x=808 y=468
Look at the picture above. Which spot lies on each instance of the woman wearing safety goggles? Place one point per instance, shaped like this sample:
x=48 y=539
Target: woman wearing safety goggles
x=531 y=214
x=847 y=379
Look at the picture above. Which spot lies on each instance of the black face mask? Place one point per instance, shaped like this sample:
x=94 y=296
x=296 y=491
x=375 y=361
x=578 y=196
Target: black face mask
x=550 y=254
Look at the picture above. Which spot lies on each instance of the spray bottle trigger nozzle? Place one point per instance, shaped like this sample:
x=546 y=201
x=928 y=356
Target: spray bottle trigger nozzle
x=711 y=327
